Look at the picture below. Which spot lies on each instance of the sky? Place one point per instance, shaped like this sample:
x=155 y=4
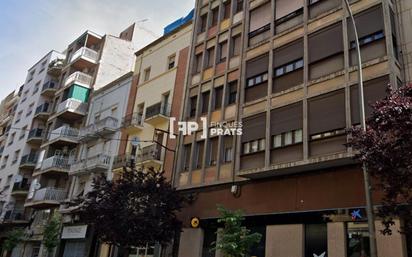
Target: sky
x=29 y=29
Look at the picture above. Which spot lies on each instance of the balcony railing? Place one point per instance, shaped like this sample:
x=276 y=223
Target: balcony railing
x=150 y=153
x=49 y=194
x=44 y=108
x=56 y=162
x=158 y=109
x=122 y=161
x=16 y=214
x=79 y=77
x=29 y=159
x=105 y=125
x=134 y=119
x=64 y=132
x=21 y=186
x=49 y=85
x=86 y=53
x=100 y=161
x=1 y=150
x=35 y=133
x=72 y=105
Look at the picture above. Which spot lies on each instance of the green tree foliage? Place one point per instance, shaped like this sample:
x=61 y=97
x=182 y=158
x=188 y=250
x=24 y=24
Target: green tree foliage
x=386 y=149
x=138 y=209
x=235 y=240
x=13 y=238
x=52 y=233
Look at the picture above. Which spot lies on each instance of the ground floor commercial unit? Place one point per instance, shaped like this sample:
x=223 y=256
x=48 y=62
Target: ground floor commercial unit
x=319 y=213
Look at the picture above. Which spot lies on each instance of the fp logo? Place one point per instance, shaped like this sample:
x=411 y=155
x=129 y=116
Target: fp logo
x=187 y=128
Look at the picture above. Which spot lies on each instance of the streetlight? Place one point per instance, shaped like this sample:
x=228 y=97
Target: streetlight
x=366 y=177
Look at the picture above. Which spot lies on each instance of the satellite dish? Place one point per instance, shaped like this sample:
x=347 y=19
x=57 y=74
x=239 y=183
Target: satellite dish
x=18 y=178
x=135 y=141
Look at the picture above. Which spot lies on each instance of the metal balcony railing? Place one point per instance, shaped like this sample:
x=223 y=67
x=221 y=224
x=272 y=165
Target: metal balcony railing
x=72 y=105
x=134 y=119
x=49 y=194
x=108 y=123
x=64 y=132
x=85 y=52
x=29 y=159
x=44 y=108
x=35 y=133
x=149 y=153
x=79 y=77
x=122 y=161
x=16 y=214
x=158 y=109
x=56 y=162
x=97 y=161
x=49 y=85
x=24 y=185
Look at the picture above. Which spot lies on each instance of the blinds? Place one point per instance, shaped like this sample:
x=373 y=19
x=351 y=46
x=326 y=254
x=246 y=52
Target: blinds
x=327 y=112
x=374 y=90
x=254 y=127
x=326 y=42
x=288 y=53
x=287 y=118
x=285 y=7
x=260 y=17
x=257 y=66
x=367 y=22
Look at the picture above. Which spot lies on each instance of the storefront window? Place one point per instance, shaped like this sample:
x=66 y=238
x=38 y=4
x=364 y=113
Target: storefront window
x=142 y=252
x=358 y=239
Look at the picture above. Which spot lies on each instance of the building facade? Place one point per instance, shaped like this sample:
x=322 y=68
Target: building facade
x=285 y=70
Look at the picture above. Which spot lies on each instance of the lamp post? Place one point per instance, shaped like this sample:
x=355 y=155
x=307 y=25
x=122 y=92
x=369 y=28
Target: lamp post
x=366 y=176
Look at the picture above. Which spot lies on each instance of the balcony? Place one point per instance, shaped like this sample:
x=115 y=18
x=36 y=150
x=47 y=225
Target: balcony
x=29 y=161
x=100 y=128
x=72 y=109
x=84 y=57
x=97 y=163
x=42 y=112
x=20 y=188
x=55 y=67
x=133 y=123
x=63 y=136
x=46 y=198
x=124 y=160
x=79 y=78
x=54 y=165
x=16 y=215
x=35 y=136
x=150 y=156
x=49 y=88
x=157 y=113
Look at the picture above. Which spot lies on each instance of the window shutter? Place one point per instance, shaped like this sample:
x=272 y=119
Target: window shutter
x=326 y=42
x=367 y=22
x=257 y=66
x=285 y=7
x=288 y=53
x=287 y=118
x=260 y=17
x=254 y=127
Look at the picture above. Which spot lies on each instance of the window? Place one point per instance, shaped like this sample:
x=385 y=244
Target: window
x=43 y=66
x=18 y=116
x=114 y=111
x=15 y=157
x=12 y=137
x=31 y=75
x=239 y=6
x=171 y=61
x=218 y=97
x=228 y=154
x=147 y=74
x=205 y=102
x=198 y=160
x=36 y=88
x=203 y=23
x=23 y=132
x=368 y=39
x=226 y=9
x=212 y=151
x=287 y=138
x=4 y=163
x=193 y=103
x=235 y=47
x=25 y=93
x=232 y=93
x=286 y=9
x=186 y=151
x=358 y=239
x=214 y=17
x=210 y=54
x=287 y=68
x=259 y=79
x=222 y=52
x=260 y=19
x=198 y=63
x=30 y=109
x=254 y=146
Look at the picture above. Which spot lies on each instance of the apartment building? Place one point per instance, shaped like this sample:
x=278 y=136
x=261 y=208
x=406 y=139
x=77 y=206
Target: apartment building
x=91 y=62
x=287 y=71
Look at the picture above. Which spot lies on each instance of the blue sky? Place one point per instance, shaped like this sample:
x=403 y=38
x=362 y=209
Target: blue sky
x=31 y=28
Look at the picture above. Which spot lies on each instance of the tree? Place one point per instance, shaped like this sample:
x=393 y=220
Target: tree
x=235 y=240
x=137 y=209
x=13 y=238
x=386 y=149
x=51 y=233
